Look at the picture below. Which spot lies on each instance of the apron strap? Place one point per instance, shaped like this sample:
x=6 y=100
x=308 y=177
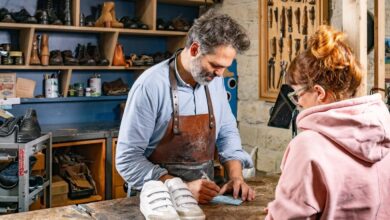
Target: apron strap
x=175 y=97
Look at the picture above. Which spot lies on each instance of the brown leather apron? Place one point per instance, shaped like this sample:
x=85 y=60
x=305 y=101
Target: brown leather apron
x=189 y=142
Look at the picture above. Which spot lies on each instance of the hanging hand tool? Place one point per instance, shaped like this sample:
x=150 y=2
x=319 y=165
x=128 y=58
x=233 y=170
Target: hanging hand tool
x=297 y=14
x=289 y=47
x=312 y=15
x=281 y=47
x=289 y=19
x=283 y=22
x=305 y=42
x=271 y=73
x=297 y=46
x=273 y=47
x=276 y=13
x=270 y=18
x=270 y=2
x=283 y=71
x=305 y=21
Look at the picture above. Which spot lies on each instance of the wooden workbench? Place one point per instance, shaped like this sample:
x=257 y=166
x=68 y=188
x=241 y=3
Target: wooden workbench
x=128 y=208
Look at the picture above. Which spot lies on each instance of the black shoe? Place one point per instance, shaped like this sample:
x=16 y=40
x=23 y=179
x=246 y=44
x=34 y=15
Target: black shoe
x=9 y=176
x=29 y=128
x=21 y=16
x=8 y=127
x=94 y=53
x=3 y=12
x=8 y=18
x=35 y=182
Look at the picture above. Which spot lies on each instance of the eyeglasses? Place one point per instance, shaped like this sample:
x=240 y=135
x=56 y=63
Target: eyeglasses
x=293 y=96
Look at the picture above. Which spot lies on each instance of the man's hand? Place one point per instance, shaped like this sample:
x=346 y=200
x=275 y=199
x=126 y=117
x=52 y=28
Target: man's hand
x=236 y=182
x=203 y=190
x=236 y=185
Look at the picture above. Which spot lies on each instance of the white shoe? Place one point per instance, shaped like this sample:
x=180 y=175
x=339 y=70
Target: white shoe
x=156 y=202
x=183 y=200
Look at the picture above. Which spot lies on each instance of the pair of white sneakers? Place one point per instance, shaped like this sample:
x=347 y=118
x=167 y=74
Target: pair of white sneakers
x=171 y=200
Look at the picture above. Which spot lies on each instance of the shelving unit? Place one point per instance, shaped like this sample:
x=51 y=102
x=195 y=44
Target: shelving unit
x=22 y=194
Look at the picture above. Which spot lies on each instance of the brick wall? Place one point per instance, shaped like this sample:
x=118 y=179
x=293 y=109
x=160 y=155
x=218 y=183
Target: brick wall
x=253 y=114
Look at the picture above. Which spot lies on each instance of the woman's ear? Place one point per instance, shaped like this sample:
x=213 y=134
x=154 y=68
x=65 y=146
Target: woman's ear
x=321 y=94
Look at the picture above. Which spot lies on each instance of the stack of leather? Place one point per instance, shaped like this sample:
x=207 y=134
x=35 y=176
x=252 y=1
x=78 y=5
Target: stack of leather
x=73 y=169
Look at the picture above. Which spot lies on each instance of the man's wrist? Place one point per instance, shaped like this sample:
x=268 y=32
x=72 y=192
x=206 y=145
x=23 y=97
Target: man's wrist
x=165 y=177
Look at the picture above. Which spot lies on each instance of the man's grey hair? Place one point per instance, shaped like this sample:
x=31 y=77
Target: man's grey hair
x=212 y=30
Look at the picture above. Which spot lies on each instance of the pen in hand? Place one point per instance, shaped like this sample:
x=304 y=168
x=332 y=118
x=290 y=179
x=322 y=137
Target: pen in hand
x=205 y=176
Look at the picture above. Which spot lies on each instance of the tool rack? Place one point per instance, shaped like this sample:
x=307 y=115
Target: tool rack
x=21 y=193
x=285 y=28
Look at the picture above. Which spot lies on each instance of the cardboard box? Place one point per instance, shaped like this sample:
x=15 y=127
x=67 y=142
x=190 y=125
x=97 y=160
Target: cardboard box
x=7 y=85
x=25 y=88
x=59 y=186
x=40 y=163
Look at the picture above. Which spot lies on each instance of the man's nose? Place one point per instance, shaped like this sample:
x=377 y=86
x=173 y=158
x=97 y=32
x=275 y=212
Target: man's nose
x=219 y=72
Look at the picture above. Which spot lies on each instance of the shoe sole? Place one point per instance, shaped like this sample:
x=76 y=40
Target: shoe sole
x=200 y=217
x=157 y=217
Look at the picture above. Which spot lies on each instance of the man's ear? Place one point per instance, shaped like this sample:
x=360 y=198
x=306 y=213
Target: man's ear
x=194 y=49
x=321 y=94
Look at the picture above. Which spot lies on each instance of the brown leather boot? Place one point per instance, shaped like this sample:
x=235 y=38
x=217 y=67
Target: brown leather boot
x=56 y=58
x=83 y=56
x=115 y=23
x=34 y=59
x=105 y=19
x=45 y=50
x=68 y=58
x=119 y=56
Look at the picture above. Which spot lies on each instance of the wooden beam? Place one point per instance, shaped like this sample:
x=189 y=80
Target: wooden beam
x=355 y=26
x=379 y=39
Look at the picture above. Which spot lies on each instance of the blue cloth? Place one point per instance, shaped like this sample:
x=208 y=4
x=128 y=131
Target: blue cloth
x=146 y=116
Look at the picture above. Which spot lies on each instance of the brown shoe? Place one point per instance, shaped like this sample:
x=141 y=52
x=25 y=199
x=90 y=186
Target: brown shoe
x=56 y=58
x=68 y=58
x=116 y=87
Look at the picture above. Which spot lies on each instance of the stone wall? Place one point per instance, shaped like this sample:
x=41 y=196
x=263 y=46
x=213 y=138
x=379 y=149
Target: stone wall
x=253 y=114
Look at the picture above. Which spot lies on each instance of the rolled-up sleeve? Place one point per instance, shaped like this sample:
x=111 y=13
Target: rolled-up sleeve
x=228 y=138
x=136 y=129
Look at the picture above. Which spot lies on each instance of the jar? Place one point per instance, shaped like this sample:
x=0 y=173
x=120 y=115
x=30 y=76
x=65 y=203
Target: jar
x=6 y=47
x=79 y=87
x=16 y=57
x=6 y=59
x=71 y=91
x=88 y=91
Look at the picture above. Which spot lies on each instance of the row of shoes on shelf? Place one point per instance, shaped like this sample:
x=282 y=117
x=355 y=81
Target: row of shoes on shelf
x=48 y=12
x=86 y=55
x=176 y=24
x=9 y=175
x=137 y=60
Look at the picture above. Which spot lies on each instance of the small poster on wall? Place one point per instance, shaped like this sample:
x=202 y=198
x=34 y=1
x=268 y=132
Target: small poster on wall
x=7 y=85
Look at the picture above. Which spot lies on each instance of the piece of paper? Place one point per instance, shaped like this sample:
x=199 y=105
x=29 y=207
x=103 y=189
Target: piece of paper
x=229 y=200
x=7 y=85
x=25 y=88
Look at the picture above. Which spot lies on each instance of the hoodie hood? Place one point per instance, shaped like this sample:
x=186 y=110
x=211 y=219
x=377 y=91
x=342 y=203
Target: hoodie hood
x=360 y=125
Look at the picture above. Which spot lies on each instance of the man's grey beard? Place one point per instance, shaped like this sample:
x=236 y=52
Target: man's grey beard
x=197 y=72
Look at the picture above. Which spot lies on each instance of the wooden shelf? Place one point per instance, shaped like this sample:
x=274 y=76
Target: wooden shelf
x=187 y=2
x=71 y=99
x=32 y=67
x=63 y=28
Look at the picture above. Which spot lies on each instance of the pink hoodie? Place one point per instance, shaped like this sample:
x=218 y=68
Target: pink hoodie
x=338 y=167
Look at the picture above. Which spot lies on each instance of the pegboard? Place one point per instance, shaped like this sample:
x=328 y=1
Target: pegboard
x=285 y=28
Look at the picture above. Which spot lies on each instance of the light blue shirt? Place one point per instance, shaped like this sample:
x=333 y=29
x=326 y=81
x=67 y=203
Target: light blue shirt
x=148 y=112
